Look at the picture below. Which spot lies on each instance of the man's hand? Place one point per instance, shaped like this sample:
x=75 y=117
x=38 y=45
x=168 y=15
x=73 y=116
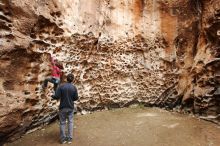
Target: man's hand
x=53 y=97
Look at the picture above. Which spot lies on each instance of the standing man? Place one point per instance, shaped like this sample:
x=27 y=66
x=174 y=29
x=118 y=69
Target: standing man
x=67 y=93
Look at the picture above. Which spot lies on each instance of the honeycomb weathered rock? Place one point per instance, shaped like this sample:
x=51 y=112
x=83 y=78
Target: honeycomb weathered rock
x=159 y=53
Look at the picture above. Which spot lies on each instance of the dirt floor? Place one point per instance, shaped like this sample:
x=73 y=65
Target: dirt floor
x=130 y=127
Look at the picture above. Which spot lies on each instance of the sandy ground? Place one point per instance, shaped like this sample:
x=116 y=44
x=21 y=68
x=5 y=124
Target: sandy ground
x=130 y=127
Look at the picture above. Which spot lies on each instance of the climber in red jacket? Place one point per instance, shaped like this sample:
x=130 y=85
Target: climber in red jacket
x=55 y=74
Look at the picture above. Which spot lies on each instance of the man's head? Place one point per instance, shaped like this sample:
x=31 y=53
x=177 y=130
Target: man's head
x=55 y=60
x=70 y=78
x=58 y=64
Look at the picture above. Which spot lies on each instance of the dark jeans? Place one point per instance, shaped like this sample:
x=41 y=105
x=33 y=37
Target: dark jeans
x=55 y=81
x=66 y=115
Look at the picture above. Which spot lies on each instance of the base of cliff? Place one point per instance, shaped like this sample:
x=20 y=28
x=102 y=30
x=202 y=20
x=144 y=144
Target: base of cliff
x=130 y=127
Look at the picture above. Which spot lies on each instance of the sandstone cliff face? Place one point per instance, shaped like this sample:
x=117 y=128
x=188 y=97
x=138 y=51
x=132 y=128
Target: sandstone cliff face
x=155 y=52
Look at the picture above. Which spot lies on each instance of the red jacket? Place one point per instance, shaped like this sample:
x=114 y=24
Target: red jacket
x=56 y=71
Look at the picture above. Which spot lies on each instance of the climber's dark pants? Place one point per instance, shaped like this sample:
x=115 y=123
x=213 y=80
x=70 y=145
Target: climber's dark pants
x=53 y=80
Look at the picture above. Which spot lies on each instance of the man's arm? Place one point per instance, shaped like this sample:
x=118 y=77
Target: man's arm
x=52 y=60
x=75 y=97
x=57 y=94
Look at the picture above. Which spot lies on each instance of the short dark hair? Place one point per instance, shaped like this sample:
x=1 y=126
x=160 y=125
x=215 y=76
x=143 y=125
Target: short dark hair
x=70 y=78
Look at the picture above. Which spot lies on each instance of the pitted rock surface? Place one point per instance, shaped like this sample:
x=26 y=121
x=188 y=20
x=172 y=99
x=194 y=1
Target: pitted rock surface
x=122 y=52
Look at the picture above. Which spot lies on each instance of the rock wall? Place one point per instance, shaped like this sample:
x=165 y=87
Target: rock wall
x=122 y=52
x=197 y=59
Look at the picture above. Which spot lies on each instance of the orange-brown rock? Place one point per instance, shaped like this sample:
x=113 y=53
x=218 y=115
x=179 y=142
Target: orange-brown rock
x=158 y=53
